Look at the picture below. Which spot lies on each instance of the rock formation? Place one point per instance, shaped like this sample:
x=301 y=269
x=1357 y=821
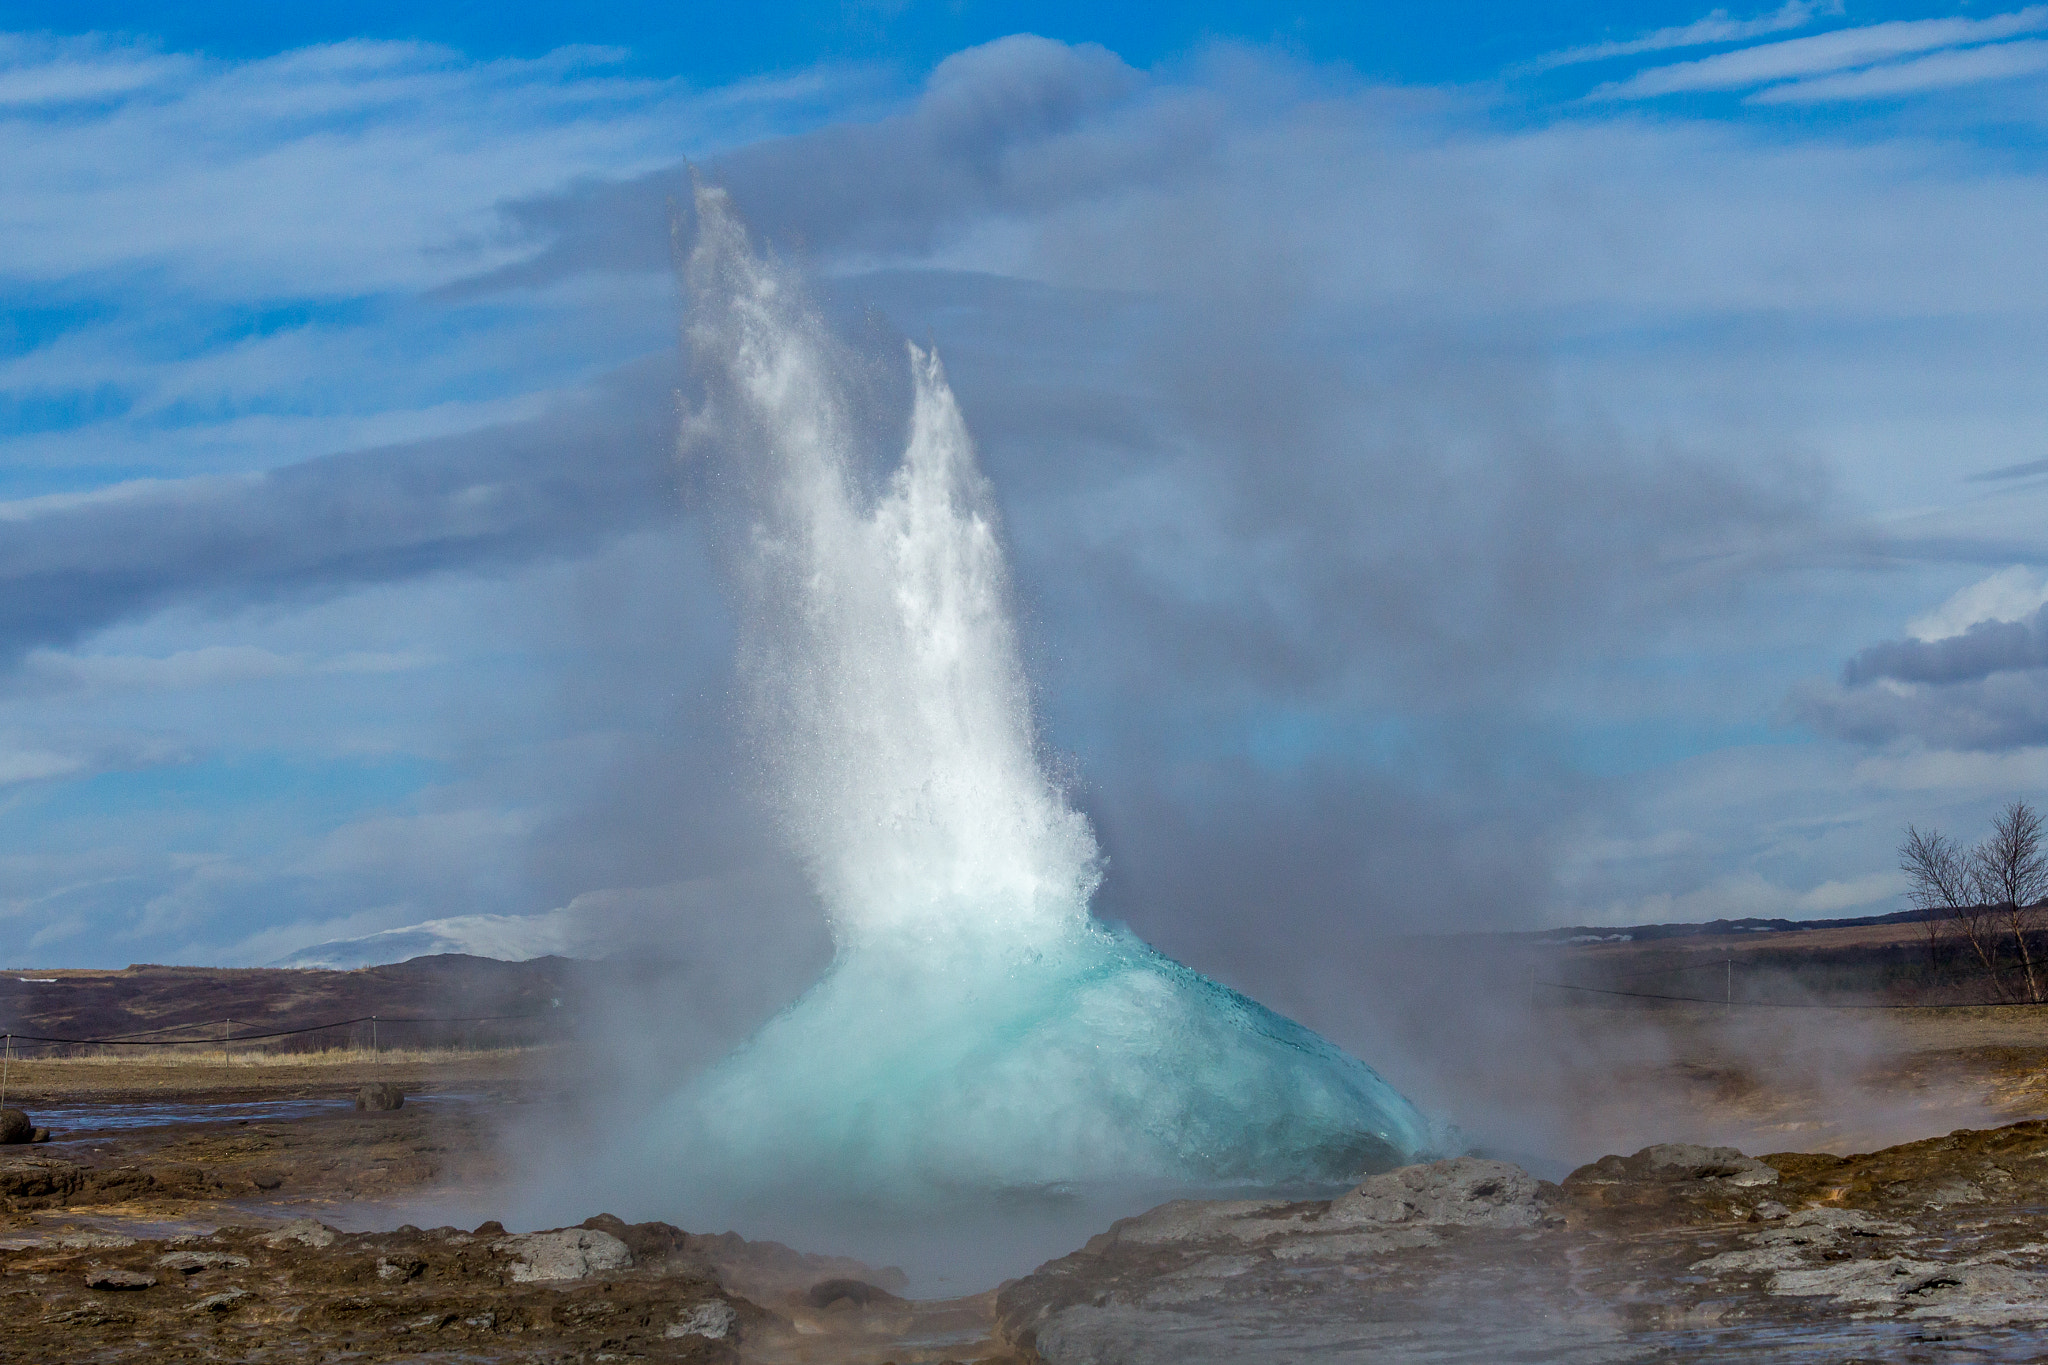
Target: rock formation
x=1676 y=1252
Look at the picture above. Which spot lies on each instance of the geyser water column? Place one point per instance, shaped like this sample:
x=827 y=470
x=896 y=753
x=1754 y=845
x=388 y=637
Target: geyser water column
x=978 y=1030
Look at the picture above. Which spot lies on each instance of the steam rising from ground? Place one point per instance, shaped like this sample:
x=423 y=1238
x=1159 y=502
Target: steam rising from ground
x=978 y=1031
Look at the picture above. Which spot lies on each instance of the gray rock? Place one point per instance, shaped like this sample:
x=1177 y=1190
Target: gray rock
x=191 y=1262
x=1463 y=1192
x=86 y=1239
x=1684 y=1161
x=301 y=1232
x=712 y=1320
x=566 y=1254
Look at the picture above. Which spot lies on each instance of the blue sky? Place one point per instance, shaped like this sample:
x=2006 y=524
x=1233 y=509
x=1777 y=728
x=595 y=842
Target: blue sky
x=1494 y=468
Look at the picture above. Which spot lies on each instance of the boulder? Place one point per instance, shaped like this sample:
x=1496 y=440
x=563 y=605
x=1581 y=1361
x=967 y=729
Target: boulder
x=15 y=1127
x=304 y=1232
x=381 y=1096
x=1684 y=1161
x=713 y=1320
x=564 y=1254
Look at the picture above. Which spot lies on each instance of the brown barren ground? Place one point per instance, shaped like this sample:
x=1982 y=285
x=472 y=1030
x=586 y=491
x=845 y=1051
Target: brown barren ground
x=1779 y=1080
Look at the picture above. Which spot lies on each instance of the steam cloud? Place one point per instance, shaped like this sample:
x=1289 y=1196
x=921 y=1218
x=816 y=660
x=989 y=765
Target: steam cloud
x=978 y=1030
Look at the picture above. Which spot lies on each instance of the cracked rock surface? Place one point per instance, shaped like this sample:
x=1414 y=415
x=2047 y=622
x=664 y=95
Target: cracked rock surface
x=1930 y=1251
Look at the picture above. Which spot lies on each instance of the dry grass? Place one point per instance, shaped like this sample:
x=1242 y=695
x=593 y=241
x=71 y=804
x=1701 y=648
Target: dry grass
x=232 y=1074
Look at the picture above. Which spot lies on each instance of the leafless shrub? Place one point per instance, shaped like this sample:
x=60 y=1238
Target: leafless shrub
x=1941 y=875
x=2010 y=874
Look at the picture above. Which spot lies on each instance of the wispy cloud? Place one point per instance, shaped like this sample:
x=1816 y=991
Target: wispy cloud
x=1716 y=27
x=212 y=666
x=1970 y=66
x=1821 y=54
x=2026 y=469
x=45 y=70
x=34 y=765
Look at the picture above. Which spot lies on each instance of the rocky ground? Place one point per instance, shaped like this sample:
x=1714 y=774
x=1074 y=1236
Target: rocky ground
x=1932 y=1251
x=228 y=1239
x=192 y=1240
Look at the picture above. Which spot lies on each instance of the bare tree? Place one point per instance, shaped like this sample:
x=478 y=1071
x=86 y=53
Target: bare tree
x=2011 y=874
x=1940 y=875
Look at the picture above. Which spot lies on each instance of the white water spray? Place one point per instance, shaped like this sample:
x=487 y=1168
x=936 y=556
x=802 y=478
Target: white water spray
x=978 y=1030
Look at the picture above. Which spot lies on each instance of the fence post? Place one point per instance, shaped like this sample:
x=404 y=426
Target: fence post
x=1728 y=987
x=373 y=1033
x=6 y=1059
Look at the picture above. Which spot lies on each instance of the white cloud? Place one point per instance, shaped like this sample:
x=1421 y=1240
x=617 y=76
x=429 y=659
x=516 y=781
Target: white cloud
x=1972 y=66
x=35 y=765
x=41 y=70
x=1952 y=774
x=211 y=666
x=1716 y=27
x=1855 y=893
x=2008 y=595
x=1821 y=53
x=245 y=178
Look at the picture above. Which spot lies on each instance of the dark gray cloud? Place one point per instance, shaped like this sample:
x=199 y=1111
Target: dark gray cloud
x=1985 y=648
x=1984 y=689
x=557 y=484
x=2007 y=710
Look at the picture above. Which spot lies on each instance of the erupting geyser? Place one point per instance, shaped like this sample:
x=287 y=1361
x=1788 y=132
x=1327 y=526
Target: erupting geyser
x=978 y=1030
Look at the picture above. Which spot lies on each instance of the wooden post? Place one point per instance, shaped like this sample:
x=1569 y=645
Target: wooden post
x=1728 y=987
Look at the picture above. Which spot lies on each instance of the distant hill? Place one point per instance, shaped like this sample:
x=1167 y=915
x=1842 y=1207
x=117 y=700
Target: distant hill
x=530 y=1001
x=508 y=938
x=1637 y=933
